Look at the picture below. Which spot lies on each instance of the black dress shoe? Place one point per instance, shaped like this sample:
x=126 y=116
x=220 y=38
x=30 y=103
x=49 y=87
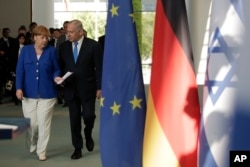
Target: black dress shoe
x=77 y=154
x=89 y=144
x=59 y=101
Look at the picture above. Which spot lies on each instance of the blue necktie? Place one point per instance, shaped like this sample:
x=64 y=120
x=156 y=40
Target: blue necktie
x=75 y=51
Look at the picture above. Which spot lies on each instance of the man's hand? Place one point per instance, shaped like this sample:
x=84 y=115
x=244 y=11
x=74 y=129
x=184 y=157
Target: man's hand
x=98 y=94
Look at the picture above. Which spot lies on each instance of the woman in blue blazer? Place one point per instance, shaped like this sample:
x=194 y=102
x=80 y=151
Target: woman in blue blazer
x=37 y=72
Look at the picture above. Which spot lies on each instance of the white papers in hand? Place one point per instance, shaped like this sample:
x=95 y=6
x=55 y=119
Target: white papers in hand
x=65 y=77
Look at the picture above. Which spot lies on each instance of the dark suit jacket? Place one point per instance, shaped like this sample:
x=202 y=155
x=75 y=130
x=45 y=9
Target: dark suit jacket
x=52 y=42
x=60 y=40
x=14 y=57
x=87 y=71
x=5 y=63
x=101 y=41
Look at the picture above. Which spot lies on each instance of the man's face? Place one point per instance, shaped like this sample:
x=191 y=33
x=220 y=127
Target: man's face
x=57 y=34
x=73 y=33
x=6 y=33
x=33 y=27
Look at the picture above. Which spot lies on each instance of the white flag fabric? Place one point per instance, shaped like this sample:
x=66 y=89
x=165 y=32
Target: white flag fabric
x=226 y=85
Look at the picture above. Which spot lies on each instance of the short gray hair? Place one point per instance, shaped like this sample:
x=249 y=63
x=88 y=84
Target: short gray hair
x=77 y=23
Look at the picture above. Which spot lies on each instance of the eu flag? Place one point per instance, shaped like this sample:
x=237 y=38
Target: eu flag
x=123 y=104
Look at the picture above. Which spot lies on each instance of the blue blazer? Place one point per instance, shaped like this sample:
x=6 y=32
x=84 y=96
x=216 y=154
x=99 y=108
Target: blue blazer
x=35 y=77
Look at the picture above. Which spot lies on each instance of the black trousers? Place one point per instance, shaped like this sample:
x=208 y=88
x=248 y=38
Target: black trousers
x=13 y=91
x=81 y=109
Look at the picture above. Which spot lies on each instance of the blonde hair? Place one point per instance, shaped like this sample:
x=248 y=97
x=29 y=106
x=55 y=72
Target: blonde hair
x=41 y=30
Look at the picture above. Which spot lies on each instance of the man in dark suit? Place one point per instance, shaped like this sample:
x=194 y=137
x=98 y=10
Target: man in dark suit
x=83 y=87
x=64 y=36
x=6 y=45
x=29 y=39
x=101 y=41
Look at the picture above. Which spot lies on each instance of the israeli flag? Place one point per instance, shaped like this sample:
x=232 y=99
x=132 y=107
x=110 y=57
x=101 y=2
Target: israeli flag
x=226 y=90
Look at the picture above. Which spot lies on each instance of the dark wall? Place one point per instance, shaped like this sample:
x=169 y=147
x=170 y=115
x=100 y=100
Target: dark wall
x=14 y=13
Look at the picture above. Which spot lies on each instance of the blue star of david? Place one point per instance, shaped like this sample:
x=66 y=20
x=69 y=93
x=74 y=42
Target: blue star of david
x=228 y=52
x=237 y=4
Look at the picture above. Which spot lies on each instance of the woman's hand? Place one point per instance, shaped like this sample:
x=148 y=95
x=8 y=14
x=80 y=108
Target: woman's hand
x=19 y=94
x=58 y=80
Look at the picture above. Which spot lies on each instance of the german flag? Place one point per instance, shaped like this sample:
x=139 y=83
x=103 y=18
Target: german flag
x=173 y=111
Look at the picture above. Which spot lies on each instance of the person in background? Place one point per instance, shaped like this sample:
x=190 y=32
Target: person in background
x=2 y=71
x=6 y=44
x=53 y=42
x=37 y=73
x=16 y=50
x=29 y=39
x=51 y=31
x=63 y=36
x=56 y=36
x=85 y=33
x=61 y=39
x=101 y=41
x=22 y=30
x=83 y=87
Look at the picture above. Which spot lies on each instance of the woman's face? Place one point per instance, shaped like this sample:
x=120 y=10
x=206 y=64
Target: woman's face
x=41 y=41
x=21 y=40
